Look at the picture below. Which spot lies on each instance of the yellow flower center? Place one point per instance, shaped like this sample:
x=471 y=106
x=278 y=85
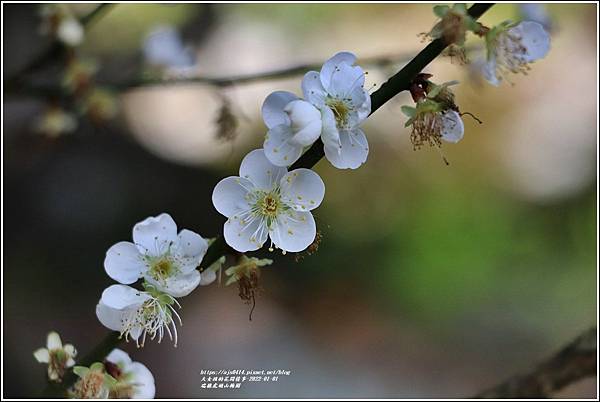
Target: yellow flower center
x=269 y=205
x=340 y=110
x=162 y=268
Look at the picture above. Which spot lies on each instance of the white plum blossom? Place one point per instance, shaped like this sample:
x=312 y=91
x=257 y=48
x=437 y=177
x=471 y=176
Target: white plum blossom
x=165 y=259
x=511 y=48
x=293 y=124
x=133 y=379
x=268 y=201
x=137 y=315
x=59 y=357
x=338 y=92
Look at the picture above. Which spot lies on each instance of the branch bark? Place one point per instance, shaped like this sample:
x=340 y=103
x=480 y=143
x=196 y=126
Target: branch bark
x=574 y=362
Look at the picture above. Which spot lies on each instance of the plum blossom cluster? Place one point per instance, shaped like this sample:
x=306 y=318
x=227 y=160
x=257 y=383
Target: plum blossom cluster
x=167 y=262
x=510 y=48
x=266 y=202
x=334 y=106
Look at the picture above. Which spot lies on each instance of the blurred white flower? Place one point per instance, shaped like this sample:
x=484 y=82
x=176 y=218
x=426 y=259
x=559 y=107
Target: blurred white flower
x=134 y=380
x=70 y=32
x=59 y=357
x=338 y=92
x=163 y=47
x=165 y=259
x=293 y=125
x=267 y=201
x=536 y=12
x=511 y=48
x=136 y=314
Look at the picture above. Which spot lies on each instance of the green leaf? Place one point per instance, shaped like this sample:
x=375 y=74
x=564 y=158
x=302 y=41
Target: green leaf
x=440 y=11
x=409 y=111
x=80 y=371
x=435 y=91
x=460 y=8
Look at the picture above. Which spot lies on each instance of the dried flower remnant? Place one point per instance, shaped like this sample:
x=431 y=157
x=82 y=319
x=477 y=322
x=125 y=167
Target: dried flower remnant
x=227 y=122
x=313 y=248
x=247 y=275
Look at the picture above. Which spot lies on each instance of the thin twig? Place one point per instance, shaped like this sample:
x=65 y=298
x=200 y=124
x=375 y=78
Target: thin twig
x=574 y=362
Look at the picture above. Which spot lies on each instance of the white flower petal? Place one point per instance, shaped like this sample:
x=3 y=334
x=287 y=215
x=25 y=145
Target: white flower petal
x=305 y=122
x=302 y=189
x=124 y=263
x=190 y=249
x=453 y=129
x=178 y=285
x=53 y=341
x=109 y=317
x=154 y=235
x=263 y=174
x=42 y=355
x=364 y=110
x=119 y=357
x=347 y=82
x=328 y=71
x=353 y=151
x=207 y=277
x=272 y=108
x=229 y=195
x=534 y=38
x=244 y=235
x=70 y=350
x=70 y=32
x=280 y=147
x=121 y=296
x=313 y=90
x=144 y=381
x=294 y=232
x=329 y=134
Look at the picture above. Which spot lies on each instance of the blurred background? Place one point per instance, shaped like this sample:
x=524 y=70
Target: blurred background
x=430 y=281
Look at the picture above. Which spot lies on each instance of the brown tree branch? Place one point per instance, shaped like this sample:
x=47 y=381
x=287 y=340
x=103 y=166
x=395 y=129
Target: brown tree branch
x=573 y=362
